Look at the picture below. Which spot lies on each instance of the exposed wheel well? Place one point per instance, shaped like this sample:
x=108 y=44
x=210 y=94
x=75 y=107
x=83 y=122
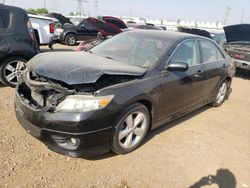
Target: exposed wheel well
x=37 y=36
x=149 y=106
x=229 y=79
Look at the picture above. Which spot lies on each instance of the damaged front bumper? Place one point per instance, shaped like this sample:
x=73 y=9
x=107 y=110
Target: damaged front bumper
x=74 y=134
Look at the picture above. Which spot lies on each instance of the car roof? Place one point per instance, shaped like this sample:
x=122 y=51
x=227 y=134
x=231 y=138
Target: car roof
x=169 y=35
x=11 y=8
x=40 y=17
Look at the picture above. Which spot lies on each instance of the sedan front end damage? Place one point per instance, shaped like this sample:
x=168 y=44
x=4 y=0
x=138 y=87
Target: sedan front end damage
x=61 y=129
x=88 y=103
x=70 y=118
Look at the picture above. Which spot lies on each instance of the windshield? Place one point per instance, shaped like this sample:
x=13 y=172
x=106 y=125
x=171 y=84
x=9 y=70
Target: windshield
x=132 y=48
x=76 y=21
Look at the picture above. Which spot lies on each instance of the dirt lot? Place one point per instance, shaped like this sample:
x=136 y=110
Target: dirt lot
x=210 y=141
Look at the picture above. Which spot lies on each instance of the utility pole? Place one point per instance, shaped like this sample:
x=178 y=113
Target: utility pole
x=96 y=7
x=56 y=5
x=242 y=16
x=227 y=15
x=44 y=1
x=130 y=12
x=79 y=6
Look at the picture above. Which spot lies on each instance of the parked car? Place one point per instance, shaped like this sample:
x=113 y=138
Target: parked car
x=17 y=43
x=84 y=31
x=59 y=21
x=220 y=38
x=238 y=44
x=115 y=21
x=44 y=29
x=195 y=31
x=142 y=26
x=88 y=103
x=107 y=27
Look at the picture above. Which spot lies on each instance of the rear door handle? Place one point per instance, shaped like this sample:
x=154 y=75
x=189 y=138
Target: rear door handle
x=199 y=73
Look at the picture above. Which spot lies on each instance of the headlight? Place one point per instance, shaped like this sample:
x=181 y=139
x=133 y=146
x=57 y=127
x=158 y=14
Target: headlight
x=82 y=103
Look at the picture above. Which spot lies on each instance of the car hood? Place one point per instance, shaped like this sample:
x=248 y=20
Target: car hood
x=237 y=33
x=75 y=68
x=105 y=28
x=62 y=19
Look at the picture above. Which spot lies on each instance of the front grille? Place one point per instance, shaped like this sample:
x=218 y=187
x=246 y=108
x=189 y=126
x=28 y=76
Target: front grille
x=39 y=99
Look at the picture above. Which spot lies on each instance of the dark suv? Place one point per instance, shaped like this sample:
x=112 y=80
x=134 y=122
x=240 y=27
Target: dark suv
x=17 y=44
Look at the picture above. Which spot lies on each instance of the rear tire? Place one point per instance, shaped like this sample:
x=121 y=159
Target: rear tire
x=131 y=129
x=11 y=70
x=221 y=94
x=70 y=39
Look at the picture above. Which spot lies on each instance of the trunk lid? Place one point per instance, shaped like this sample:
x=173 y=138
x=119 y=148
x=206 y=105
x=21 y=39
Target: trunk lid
x=237 y=33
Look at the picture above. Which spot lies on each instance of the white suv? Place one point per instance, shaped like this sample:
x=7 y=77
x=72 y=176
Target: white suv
x=44 y=29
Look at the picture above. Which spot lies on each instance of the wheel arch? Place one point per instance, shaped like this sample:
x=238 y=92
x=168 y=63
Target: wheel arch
x=150 y=108
x=37 y=36
x=68 y=33
x=15 y=55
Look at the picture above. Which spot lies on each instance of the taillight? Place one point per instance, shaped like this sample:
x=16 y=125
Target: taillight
x=31 y=31
x=239 y=56
x=51 y=28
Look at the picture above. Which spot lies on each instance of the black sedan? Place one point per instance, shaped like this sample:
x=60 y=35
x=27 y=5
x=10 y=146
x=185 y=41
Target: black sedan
x=88 y=103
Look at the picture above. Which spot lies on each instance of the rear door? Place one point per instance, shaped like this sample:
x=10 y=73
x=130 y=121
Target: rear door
x=181 y=90
x=214 y=67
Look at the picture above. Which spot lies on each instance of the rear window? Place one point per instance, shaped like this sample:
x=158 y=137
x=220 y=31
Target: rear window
x=4 y=19
x=210 y=52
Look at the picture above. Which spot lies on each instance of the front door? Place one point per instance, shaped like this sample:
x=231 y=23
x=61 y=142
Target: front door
x=181 y=90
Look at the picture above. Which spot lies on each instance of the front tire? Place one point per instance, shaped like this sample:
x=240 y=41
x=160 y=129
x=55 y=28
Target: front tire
x=70 y=39
x=11 y=71
x=131 y=129
x=221 y=94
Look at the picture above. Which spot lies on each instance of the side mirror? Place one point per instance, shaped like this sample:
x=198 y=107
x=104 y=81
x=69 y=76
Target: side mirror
x=177 y=66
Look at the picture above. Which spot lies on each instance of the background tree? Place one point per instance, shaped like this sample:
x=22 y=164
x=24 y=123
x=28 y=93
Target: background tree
x=38 y=11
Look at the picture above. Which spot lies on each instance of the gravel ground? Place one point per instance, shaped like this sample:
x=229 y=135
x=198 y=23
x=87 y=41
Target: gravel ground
x=210 y=146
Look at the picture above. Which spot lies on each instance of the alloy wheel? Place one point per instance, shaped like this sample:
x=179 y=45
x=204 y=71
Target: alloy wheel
x=71 y=40
x=132 y=130
x=13 y=71
x=221 y=93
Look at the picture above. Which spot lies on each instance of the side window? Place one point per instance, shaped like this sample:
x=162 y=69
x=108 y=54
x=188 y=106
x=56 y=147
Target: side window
x=187 y=53
x=4 y=19
x=210 y=52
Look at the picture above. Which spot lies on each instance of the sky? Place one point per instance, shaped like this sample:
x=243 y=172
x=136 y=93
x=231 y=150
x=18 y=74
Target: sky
x=192 y=10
